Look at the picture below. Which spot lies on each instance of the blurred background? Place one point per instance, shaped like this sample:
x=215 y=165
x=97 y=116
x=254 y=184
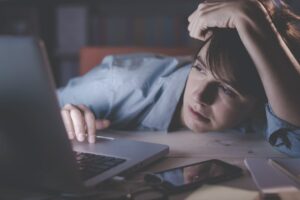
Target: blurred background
x=68 y=25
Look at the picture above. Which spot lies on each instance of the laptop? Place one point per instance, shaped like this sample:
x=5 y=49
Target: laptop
x=35 y=150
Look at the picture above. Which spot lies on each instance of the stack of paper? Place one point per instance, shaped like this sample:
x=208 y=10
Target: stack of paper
x=275 y=175
x=214 y=192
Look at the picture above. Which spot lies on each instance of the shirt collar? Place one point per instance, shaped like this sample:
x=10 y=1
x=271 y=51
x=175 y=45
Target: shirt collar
x=160 y=116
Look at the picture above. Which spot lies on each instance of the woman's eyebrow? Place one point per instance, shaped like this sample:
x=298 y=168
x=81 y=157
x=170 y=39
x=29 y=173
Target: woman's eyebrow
x=229 y=83
x=232 y=85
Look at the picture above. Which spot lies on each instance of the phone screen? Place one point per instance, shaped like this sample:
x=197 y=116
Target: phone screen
x=210 y=171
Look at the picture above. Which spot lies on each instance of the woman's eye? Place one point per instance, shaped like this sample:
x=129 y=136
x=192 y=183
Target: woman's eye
x=227 y=91
x=198 y=67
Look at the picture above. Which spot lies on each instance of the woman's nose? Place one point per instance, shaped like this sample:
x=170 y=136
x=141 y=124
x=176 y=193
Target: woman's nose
x=206 y=94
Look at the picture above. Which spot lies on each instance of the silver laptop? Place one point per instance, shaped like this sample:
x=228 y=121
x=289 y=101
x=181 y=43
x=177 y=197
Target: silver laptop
x=35 y=150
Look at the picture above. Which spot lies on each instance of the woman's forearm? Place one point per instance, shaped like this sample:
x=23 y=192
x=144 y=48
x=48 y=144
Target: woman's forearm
x=277 y=67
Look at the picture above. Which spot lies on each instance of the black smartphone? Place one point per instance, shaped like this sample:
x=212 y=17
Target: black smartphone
x=193 y=175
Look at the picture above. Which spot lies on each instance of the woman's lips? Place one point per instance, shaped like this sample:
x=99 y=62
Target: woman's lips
x=198 y=116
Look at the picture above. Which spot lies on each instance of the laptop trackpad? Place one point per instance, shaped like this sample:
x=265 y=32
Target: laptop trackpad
x=120 y=147
x=105 y=146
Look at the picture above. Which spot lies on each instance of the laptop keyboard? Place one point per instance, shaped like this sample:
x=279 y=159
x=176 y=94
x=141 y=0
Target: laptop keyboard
x=90 y=165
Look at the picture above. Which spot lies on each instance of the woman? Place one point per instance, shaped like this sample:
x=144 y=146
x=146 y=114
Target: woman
x=248 y=62
x=272 y=42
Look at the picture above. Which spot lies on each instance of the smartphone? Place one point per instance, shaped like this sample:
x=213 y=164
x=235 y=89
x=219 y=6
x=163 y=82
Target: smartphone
x=193 y=175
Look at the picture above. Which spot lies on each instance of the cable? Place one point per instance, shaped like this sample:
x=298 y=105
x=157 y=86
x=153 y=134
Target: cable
x=100 y=195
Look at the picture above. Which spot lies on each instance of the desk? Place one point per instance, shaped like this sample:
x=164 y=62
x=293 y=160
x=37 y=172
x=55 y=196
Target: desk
x=187 y=147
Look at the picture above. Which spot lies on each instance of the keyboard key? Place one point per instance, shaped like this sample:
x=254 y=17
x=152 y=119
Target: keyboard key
x=90 y=165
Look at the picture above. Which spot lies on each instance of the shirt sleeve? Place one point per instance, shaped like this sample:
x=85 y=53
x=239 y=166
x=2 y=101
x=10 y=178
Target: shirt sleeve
x=93 y=89
x=282 y=135
x=133 y=91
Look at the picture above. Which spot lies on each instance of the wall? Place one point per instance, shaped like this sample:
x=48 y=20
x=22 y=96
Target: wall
x=67 y=25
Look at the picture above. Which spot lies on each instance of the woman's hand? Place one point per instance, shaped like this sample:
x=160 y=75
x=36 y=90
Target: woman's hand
x=219 y=14
x=80 y=122
x=278 y=68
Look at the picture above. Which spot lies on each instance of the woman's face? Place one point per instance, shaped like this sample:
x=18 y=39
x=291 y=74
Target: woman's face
x=210 y=104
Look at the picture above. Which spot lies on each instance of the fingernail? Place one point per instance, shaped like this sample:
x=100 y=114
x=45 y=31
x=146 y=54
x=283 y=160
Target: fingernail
x=81 y=137
x=91 y=139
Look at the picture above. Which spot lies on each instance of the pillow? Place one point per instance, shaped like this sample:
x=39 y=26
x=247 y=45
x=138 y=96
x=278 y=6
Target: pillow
x=91 y=56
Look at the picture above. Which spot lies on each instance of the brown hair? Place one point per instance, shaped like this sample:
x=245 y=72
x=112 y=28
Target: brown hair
x=286 y=23
x=228 y=59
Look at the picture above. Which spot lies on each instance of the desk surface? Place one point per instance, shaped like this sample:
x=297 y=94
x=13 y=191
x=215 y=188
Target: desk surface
x=187 y=147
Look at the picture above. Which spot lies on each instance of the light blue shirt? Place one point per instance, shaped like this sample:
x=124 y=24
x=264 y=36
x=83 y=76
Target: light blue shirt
x=135 y=91
x=282 y=135
x=141 y=92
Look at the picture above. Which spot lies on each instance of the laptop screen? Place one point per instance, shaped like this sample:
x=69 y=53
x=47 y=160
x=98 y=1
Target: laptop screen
x=35 y=147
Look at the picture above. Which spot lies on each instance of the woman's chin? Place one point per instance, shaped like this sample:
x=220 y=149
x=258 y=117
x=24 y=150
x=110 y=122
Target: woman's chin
x=198 y=127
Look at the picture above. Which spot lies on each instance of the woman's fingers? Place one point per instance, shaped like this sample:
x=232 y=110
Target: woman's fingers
x=80 y=122
x=102 y=124
x=217 y=14
x=90 y=123
x=68 y=123
x=198 y=24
